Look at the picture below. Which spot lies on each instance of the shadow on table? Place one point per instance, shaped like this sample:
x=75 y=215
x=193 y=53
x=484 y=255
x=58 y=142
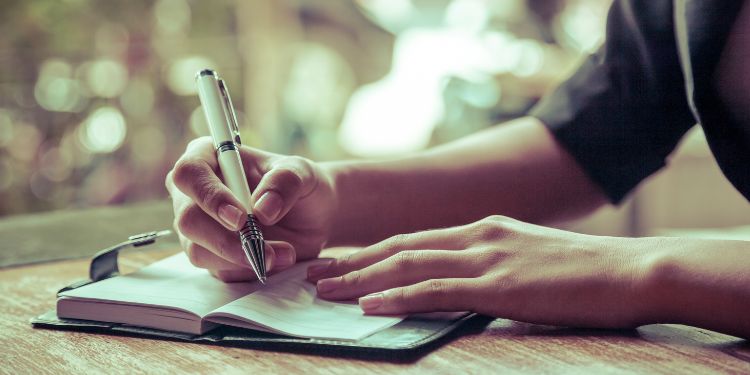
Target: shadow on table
x=671 y=334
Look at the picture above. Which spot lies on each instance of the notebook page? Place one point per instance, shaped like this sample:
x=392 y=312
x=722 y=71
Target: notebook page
x=288 y=304
x=172 y=282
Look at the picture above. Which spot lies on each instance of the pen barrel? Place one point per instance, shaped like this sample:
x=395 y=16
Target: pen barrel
x=234 y=174
x=222 y=123
x=214 y=108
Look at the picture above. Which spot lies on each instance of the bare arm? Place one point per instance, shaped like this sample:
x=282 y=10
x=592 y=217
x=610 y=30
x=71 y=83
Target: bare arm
x=551 y=276
x=703 y=283
x=515 y=169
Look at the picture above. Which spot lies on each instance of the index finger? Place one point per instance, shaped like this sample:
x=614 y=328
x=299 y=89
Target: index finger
x=436 y=239
x=196 y=175
x=427 y=296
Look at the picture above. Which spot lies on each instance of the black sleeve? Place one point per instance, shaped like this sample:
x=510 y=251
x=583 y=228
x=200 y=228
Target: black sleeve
x=624 y=110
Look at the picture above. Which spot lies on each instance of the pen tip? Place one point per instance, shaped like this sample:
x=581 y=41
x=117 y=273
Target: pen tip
x=262 y=280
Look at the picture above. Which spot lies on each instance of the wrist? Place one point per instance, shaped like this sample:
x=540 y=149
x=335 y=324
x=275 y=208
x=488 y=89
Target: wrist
x=700 y=282
x=336 y=174
x=660 y=269
x=364 y=195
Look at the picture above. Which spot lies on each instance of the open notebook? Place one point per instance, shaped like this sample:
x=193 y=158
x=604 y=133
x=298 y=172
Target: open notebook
x=173 y=295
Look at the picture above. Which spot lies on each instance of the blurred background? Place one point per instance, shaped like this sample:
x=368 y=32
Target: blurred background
x=97 y=98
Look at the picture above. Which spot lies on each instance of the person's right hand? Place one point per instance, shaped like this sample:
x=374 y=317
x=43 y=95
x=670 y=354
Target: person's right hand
x=294 y=202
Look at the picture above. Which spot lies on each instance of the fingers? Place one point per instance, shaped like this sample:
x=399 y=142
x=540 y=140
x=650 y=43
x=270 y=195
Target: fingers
x=420 y=272
x=279 y=182
x=287 y=180
x=279 y=256
x=196 y=225
x=284 y=255
x=195 y=174
x=442 y=239
x=405 y=268
x=427 y=296
x=203 y=258
x=212 y=246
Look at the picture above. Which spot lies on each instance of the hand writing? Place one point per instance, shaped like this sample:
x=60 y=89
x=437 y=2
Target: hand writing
x=293 y=202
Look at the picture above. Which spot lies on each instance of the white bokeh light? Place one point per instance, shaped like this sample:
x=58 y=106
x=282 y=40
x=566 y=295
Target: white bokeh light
x=584 y=24
x=56 y=90
x=106 y=78
x=103 y=131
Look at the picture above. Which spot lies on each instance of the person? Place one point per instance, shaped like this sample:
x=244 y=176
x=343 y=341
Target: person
x=460 y=227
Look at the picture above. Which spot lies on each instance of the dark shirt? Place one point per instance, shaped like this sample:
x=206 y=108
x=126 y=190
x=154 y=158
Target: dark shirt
x=626 y=108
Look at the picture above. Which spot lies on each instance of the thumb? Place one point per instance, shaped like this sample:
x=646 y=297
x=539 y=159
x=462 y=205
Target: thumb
x=289 y=179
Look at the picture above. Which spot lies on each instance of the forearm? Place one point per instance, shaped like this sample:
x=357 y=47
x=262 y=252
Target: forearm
x=703 y=283
x=516 y=169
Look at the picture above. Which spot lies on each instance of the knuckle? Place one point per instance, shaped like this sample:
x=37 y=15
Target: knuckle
x=184 y=171
x=200 y=142
x=298 y=159
x=304 y=166
x=184 y=242
x=185 y=219
x=495 y=220
x=194 y=255
x=288 y=178
x=503 y=281
x=505 y=222
x=223 y=247
x=298 y=162
x=352 y=278
x=490 y=228
x=168 y=181
x=436 y=288
x=345 y=262
x=176 y=226
x=399 y=239
x=209 y=194
x=490 y=256
x=395 y=244
x=397 y=296
x=405 y=259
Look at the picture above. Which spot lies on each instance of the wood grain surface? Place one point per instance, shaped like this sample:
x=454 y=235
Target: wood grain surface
x=78 y=233
x=501 y=347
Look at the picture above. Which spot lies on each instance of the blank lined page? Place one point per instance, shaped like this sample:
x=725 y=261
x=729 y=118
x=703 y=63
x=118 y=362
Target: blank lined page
x=288 y=304
x=172 y=282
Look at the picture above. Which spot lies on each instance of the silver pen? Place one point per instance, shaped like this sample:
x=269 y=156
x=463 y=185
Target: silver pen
x=222 y=123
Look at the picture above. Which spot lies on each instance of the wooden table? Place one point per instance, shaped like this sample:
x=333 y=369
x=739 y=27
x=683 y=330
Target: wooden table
x=501 y=347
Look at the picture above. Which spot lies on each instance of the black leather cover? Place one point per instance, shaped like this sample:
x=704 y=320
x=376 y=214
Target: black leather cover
x=412 y=333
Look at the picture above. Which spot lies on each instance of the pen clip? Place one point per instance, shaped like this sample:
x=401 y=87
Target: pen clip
x=229 y=110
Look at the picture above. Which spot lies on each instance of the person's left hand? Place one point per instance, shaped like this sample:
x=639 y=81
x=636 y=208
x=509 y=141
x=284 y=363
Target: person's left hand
x=500 y=267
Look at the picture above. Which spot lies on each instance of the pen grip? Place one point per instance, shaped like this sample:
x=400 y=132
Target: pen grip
x=234 y=177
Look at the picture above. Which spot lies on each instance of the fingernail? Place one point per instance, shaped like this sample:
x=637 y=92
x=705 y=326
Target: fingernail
x=268 y=206
x=284 y=258
x=231 y=216
x=371 y=302
x=317 y=270
x=328 y=285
